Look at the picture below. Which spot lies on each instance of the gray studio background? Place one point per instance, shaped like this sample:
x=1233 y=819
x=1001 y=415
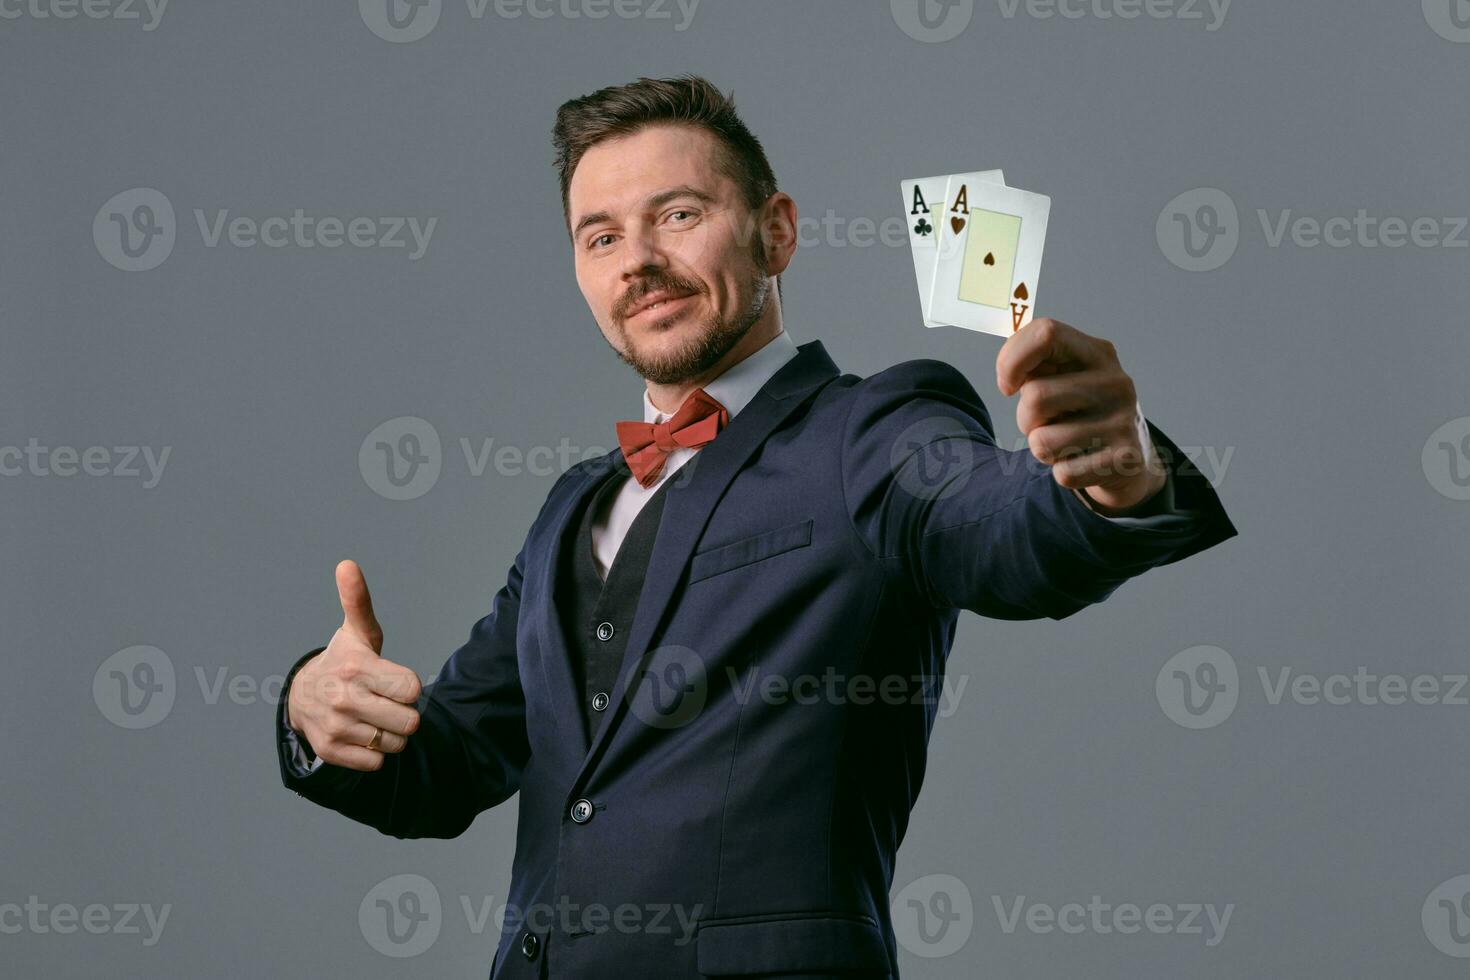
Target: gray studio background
x=1323 y=388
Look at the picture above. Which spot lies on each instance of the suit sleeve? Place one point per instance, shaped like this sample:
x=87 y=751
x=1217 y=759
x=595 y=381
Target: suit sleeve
x=467 y=754
x=968 y=524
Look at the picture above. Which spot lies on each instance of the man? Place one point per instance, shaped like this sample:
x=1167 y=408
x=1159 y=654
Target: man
x=710 y=672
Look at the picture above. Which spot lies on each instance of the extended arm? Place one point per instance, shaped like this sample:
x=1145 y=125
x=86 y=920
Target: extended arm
x=967 y=524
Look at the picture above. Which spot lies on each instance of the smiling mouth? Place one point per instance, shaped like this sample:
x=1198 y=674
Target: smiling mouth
x=660 y=306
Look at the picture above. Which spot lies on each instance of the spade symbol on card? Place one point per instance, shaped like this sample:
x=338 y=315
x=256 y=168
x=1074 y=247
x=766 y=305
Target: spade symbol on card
x=956 y=224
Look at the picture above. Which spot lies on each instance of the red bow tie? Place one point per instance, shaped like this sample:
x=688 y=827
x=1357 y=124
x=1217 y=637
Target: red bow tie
x=646 y=445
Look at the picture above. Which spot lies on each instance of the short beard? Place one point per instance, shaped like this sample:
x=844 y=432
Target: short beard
x=704 y=351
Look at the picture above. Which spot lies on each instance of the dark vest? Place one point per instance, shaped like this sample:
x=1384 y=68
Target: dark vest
x=597 y=615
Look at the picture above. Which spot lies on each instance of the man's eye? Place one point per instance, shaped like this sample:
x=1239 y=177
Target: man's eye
x=595 y=242
x=685 y=211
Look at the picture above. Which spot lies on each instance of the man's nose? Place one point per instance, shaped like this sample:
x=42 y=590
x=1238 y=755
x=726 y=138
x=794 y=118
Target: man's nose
x=641 y=253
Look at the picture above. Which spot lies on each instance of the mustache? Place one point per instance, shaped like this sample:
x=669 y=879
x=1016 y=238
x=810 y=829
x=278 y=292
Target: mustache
x=651 y=285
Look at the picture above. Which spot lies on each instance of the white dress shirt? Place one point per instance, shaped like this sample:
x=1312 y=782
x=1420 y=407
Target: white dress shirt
x=734 y=389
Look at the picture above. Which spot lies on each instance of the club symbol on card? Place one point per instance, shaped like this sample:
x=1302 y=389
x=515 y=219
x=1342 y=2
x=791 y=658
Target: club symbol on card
x=956 y=224
x=923 y=228
x=1019 y=306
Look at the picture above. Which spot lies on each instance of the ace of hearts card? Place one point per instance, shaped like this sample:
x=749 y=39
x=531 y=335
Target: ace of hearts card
x=987 y=259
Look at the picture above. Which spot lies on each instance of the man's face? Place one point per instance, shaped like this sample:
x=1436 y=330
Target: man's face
x=667 y=255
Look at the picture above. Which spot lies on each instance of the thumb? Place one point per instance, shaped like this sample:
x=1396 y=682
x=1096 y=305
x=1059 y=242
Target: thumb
x=357 y=606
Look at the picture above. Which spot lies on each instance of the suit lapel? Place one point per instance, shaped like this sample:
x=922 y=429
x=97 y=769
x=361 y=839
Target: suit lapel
x=687 y=508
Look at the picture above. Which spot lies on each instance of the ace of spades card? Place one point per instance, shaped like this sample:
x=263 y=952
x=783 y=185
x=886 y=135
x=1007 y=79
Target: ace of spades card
x=923 y=202
x=988 y=257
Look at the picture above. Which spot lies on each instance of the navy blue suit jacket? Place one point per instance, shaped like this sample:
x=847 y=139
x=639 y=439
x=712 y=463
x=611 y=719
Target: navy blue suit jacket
x=835 y=528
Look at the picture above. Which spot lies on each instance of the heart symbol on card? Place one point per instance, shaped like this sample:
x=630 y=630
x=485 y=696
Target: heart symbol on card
x=990 y=258
x=956 y=224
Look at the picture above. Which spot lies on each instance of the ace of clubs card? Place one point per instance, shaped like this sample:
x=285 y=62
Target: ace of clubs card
x=923 y=202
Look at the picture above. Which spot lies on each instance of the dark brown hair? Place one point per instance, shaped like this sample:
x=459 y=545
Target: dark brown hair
x=621 y=110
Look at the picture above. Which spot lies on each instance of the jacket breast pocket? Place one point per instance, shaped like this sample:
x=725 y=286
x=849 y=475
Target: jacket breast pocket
x=723 y=558
x=823 y=943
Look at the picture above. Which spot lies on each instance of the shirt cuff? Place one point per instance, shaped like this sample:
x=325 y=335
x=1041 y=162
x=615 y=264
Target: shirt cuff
x=303 y=763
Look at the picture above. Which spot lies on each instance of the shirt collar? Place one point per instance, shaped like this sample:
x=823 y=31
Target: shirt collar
x=739 y=383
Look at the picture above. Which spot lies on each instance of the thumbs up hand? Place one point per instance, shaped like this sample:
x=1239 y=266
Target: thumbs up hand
x=348 y=702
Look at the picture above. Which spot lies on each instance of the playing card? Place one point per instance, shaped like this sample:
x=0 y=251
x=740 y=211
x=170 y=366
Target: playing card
x=923 y=202
x=988 y=257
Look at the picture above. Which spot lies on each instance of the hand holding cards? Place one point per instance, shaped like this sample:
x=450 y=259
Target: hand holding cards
x=977 y=249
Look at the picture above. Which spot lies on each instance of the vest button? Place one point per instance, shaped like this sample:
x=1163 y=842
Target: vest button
x=605 y=631
x=599 y=702
x=582 y=811
x=529 y=946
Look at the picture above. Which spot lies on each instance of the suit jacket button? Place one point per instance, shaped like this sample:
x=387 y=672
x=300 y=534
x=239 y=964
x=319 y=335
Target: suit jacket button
x=599 y=702
x=530 y=945
x=605 y=631
x=582 y=811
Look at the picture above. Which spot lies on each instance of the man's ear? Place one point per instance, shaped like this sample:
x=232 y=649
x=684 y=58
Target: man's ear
x=777 y=228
